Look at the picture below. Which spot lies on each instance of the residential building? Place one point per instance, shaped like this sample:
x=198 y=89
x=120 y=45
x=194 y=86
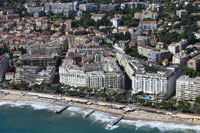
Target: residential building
x=176 y=47
x=156 y=83
x=97 y=17
x=145 y=50
x=2 y=49
x=34 y=9
x=142 y=40
x=59 y=7
x=38 y=60
x=180 y=58
x=35 y=74
x=88 y=6
x=145 y=15
x=53 y=48
x=162 y=82
x=107 y=74
x=140 y=5
x=194 y=63
x=17 y=53
x=4 y=66
x=9 y=76
x=108 y=7
x=150 y=25
x=116 y=21
x=187 y=88
x=68 y=25
x=156 y=7
x=182 y=13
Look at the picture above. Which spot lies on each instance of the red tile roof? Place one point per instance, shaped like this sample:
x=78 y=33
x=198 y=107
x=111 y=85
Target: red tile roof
x=9 y=73
x=147 y=47
x=17 y=52
x=148 y=22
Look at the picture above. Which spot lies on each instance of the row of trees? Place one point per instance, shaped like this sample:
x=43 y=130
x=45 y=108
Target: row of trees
x=86 y=21
x=190 y=72
x=172 y=105
x=121 y=36
x=132 y=51
x=167 y=37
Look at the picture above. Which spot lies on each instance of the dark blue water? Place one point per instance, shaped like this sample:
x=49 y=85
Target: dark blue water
x=19 y=117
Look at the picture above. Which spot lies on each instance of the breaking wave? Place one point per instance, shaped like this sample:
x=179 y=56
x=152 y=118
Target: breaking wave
x=34 y=105
x=105 y=118
x=162 y=126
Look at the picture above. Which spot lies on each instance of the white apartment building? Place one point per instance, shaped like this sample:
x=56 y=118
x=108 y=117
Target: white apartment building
x=87 y=6
x=145 y=15
x=176 y=47
x=153 y=83
x=116 y=21
x=109 y=76
x=150 y=83
x=149 y=25
x=187 y=88
x=182 y=13
x=180 y=58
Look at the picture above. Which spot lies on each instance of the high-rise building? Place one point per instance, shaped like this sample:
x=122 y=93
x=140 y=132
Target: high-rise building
x=187 y=88
x=4 y=66
x=68 y=25
x=194 y=63
x=103 y=75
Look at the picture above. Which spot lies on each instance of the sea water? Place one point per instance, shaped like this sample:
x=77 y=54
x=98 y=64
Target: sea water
x=34 y=117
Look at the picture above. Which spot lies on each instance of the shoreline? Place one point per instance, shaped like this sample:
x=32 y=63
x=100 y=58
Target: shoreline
x=15 y=95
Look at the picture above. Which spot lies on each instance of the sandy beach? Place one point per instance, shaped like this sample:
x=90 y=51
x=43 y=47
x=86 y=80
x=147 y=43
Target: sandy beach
x=129 y=112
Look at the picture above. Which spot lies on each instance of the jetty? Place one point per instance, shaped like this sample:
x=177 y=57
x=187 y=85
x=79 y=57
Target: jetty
x=114 y=122
x=61 y=110
x=89 y=113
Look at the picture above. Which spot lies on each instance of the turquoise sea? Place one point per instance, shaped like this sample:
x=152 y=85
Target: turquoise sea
x=33 y=117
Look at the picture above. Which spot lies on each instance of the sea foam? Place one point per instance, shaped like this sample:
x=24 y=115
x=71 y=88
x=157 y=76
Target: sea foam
x=34 y=105
x=102 y=117
x=162 y=126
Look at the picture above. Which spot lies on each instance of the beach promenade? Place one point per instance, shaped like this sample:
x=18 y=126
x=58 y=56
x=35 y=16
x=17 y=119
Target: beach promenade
x=129 y=112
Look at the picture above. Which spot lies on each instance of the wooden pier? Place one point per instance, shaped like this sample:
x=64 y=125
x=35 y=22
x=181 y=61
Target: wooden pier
x=114 y=122
x=60 y=111
x=89 y=113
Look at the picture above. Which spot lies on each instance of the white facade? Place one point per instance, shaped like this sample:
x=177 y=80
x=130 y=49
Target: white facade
x=73 y=75
x=180 y=58
x=187 y=88
x=87 y=6
x=145 y=15
x=177 y=47
x=182 y=13
x=9 y=76
x=150 y=83
x=153 y=83
x=116 y=21
x=150 y=25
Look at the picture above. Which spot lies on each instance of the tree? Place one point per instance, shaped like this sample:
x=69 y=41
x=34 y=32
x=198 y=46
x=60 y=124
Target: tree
x=22 y=85
x=35 y=87
x=132 y=51
x=103 y=95
x=148 y=103
x=197 y=100
x=198 y=110
x=183 y=106
x=117 y=97
x=127 y=36
x=141 y=101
